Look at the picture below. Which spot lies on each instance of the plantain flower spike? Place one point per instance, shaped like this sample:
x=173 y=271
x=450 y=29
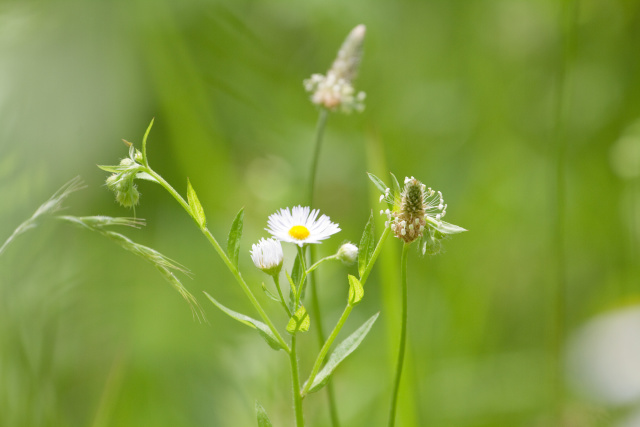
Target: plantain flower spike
x=335 y=91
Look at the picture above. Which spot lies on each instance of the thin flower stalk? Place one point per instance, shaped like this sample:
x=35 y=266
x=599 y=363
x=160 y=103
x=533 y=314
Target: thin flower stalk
x=403 y=336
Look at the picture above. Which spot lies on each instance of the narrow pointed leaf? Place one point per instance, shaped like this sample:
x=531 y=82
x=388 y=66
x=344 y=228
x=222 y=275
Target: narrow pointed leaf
x=396 y=186
x=262 y=329
x=196 y=207
x=366 y=247
x=233 y=242
x=446 y=228
x=380 y=185
x=263 y=419
x=145 y=176
x=299 y=322
x=344 y=349
x=356 y=291
x=296 y=271
x=144 y=141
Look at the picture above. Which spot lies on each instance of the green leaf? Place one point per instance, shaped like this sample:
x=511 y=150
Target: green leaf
x=113 y=169
x=292 y=293
x=145 y=176
x=263 y=419
x=344 y=349
x=380 y=185
x=299 y=322
x=446 y=228
x=262 y=329
x=296 y=271
x=144 y=142
x=297 y=276
x=269 y=293
x=356 y=291
x=366 y=247
x=233 y=242
x=196 y=207
x=396 y=187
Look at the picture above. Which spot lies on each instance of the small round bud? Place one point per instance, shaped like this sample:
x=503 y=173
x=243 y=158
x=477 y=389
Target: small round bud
x=348 y=253
x=127 y=162
x=138 y=156
x=128 y=195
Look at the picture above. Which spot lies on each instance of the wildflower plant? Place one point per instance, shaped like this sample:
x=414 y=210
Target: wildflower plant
x=300 y=226
x=414 y=214
x=333 y=92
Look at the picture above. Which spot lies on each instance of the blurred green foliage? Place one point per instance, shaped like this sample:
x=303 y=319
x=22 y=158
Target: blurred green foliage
x=462 y=95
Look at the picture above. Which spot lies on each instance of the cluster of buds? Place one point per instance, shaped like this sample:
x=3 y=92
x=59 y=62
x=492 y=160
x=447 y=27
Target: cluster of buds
x=335 y=90
x=122 y=180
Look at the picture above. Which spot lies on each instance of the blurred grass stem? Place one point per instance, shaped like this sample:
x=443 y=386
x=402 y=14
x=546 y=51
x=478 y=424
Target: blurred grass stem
x=315 y=302
x=403 y=335
x=568 y=24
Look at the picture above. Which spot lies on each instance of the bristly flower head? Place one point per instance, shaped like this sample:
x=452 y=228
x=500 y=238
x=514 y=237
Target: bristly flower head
x=415 y=213
x=335 y=90
x=300 y=226
x=267 y=256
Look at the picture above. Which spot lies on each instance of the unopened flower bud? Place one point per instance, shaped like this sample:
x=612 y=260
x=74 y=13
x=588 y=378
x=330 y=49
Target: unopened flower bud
x=348 y=253
x=267 y=256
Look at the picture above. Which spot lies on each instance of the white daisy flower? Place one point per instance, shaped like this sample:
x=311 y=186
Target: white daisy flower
x=267 y=255
x=300 y=226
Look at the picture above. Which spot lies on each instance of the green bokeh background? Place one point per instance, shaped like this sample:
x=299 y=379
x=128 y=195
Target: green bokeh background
x=487 y=101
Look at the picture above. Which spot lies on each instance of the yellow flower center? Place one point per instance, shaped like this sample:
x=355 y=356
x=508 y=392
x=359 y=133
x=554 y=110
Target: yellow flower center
x=299 y=232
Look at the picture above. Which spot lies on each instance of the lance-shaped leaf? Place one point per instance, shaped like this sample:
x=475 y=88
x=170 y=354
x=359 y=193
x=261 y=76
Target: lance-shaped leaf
x=380 y=185
x=356 y=291
x=299 y=322
x=396 y=186
x=233 y=242
x=366 y=247
x=262 y=329
x=345 y=348
x=446 y=228
x=263 y=419
x=196 y=207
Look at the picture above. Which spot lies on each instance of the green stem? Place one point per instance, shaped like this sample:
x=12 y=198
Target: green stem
x=325 y=348
x=295 y=383
x=322 y=121
x=374 y=257
x=345 y=314
x=315 y=301
x=403 y=336
x=317 y=264
x=224 y=257
x=276 y=280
